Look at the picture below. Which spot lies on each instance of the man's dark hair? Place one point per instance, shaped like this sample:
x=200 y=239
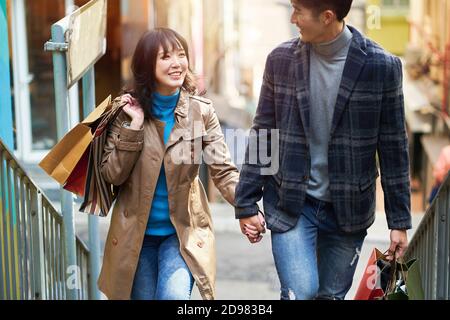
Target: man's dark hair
x=340 y=7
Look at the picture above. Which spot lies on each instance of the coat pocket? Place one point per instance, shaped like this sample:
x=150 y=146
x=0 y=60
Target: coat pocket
x=290 y=192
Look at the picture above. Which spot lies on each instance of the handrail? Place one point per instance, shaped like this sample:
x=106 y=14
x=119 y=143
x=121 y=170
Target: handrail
x=431 y=246
x=33 y=241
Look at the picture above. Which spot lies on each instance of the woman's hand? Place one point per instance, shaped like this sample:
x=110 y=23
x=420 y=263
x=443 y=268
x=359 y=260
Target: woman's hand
x=134 y=110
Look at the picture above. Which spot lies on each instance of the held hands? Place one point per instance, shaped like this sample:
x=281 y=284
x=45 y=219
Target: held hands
x=253 y=227
x=133 y=110
x=399 y=244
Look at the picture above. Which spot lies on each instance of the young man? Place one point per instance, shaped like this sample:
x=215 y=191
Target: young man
x=336 y=100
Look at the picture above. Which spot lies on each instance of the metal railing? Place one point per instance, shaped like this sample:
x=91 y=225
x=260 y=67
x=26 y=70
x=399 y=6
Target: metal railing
x=82 y=253
x=33 y=241
x=431 y=246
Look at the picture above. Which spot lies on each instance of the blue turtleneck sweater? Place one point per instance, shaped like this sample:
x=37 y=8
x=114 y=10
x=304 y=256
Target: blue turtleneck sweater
x=159 y=223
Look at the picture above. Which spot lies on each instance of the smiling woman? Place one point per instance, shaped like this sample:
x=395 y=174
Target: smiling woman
x=161 y=236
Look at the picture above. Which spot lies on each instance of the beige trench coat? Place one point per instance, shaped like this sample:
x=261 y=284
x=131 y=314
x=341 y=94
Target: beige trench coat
x=133 y=161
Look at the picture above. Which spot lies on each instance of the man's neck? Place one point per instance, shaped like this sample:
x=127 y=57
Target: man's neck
x=334 y=31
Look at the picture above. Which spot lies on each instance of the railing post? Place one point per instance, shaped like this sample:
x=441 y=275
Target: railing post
x=442 y=215
x=37 y=228
x=62 y=116
x=6 y=134
x=18 y=233
x=94 y=239
x=12 y=217
x=4 y=267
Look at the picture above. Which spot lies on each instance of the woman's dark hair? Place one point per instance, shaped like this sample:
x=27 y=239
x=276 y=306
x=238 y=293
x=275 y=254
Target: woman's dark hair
x=340 y=7
x=143 y=65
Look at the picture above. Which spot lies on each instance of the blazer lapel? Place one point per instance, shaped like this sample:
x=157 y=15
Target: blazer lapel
x=356 y=60
x=302 y=67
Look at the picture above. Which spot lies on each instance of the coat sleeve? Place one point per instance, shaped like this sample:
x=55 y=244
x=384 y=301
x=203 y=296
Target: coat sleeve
x=252 y=179
x=122 y=149
x=223 y=171
x=393 y=150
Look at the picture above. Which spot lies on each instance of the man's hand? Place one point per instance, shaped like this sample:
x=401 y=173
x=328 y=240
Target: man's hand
x=252 y=227
x=399 y=244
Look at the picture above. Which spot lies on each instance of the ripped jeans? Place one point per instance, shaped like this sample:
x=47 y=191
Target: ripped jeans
x=315 y=260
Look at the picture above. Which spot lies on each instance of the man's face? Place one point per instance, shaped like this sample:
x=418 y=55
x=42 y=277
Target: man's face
x=310 y=26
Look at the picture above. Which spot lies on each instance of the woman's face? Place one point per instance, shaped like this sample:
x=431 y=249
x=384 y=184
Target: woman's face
x=171 y=70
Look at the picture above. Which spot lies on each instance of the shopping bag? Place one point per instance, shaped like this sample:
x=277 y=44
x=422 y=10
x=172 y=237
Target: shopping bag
x=390 y=280
x=77 y=179
x=370 y=287
x=406 y=282
x=62 y=159
x=60 y=163
x=99 y=194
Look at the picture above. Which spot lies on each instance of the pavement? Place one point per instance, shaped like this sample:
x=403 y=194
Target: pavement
x=244 y=271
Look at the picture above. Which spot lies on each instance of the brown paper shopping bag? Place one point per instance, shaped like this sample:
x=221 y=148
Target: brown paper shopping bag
x=61 y=161
x=99 y=194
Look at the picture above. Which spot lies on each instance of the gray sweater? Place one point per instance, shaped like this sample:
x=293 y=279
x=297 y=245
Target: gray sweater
x=326 y=68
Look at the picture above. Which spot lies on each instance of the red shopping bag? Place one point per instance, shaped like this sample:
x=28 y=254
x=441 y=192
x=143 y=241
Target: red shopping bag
x=77 y=179
x=374 y=278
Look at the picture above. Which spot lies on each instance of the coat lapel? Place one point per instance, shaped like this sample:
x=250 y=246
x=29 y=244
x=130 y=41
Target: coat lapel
x=155 y=133
x=356 y=60
x=181 y=119
x=156 y=127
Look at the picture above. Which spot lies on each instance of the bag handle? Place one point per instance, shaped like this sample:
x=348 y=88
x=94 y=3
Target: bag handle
x=393 y=276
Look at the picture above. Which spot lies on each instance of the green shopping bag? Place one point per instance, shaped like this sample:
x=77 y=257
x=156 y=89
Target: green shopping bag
x=405 y=281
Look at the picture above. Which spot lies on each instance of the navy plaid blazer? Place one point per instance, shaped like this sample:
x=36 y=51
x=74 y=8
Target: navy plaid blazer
x=368 y=125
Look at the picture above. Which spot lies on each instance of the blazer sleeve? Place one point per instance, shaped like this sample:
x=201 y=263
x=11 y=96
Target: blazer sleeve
x=393 y=150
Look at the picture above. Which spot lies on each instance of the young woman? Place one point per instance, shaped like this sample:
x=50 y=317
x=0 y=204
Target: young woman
x=161 y=240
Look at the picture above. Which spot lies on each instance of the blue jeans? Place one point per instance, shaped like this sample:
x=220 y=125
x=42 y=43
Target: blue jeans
x=161 y=273
x=315 y=260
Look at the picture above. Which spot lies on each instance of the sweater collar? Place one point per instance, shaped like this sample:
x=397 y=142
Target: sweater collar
x=334 y=46
x=165 y=101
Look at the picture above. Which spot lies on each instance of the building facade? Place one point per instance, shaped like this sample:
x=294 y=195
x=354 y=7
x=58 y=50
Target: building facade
x=430 y=48
x=387 y=23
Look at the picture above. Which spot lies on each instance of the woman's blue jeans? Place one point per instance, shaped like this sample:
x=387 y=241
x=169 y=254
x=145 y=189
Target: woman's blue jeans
x=161 y=273
x=315 y=260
